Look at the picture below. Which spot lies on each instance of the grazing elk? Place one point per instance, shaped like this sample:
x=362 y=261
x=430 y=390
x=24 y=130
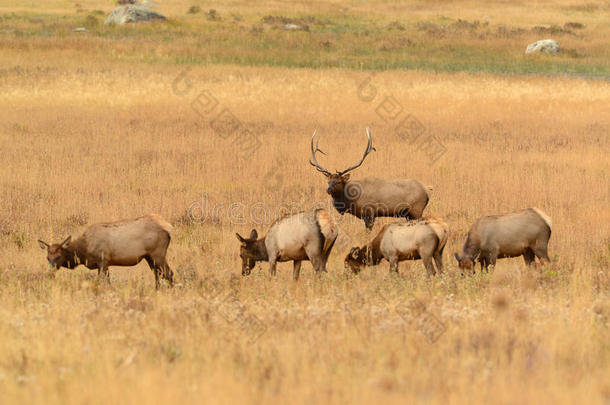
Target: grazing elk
x=526 y=232
x=424 y=238
x=372 y=197
x=304 y=236
x=121 y=243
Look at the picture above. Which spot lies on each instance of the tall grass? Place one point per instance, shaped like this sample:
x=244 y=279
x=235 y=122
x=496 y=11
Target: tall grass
x=82 y=144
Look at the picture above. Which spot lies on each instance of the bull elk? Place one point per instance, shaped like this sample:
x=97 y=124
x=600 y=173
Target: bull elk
x=523 y=233
x=121 y=243
x=303 y=236
x=372 y=197
x=418 y=239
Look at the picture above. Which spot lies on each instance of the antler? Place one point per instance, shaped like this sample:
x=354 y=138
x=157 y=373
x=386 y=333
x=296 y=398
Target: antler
x=369 y=149
x=314 y=161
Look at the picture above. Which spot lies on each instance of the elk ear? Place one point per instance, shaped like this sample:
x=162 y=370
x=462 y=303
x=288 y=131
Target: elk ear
x=241 y=238
x=253 y=234
x=66 y=242
x=354 y=252
x=457 y=257
x=43 y=245
x=345 y=177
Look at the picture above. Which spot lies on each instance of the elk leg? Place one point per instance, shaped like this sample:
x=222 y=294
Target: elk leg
x=428 y=265
x=296 y=270
x=541 y=253
x=528 y=257
x=438 y=259
x=103 y=271
x=393 y=264
x=153 y=266
x=272 y=264
x=318 y=264
x=484 y=263
x=491 y=261
x=157 y=283
x=330 y=248
x=315 y=256
x=168 y=274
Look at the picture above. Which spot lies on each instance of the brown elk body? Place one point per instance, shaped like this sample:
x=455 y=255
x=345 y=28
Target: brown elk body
x=371 y=197
x=304 y=236
x=121 y=243
x=418 y=239
x=523 y=233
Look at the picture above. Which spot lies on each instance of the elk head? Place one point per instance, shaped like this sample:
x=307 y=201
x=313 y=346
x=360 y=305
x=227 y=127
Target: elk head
x=355 y=259
x=464 y=262
x=59 y=254
x=249 y=252
x=338 y=180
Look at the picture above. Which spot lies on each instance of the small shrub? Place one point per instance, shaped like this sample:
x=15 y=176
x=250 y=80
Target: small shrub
x=91 y=21
x=395 y=25
x=79 y=219
x=212 y=15
x=194 y=10
x=572 y=53
x=573 y=26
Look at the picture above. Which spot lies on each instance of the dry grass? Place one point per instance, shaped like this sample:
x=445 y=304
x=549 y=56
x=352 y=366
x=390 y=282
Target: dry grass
x=83 y=142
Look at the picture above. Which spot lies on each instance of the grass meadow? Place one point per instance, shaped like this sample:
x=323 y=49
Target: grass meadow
x=114 y=124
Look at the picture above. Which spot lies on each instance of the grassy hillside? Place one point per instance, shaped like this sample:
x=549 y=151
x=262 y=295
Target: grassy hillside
x=378 y=37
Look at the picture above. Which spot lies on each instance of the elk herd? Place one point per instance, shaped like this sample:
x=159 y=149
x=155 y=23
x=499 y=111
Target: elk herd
x=311 y=235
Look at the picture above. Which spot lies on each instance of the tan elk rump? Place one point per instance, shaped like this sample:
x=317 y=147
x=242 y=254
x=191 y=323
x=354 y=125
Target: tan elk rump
x=304 y=236
x=121 y=243
x=424 y=239
x=371 y=197
x=523 y=233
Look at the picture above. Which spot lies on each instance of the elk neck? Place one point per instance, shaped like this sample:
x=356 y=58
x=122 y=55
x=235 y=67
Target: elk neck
x=373 y=249
x=373 y=253
x=73 y=257
x=471 y=249
x=78 y=253
x=260 y=251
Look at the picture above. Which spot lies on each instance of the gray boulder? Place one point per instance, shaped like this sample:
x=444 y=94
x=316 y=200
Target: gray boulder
x=132 y=14
x=545 y=45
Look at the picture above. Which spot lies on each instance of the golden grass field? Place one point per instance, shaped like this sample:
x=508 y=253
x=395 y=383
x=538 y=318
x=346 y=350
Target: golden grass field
x=88 y=137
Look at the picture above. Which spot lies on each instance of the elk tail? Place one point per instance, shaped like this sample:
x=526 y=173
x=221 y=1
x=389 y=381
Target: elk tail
x=544 y=217
x=166 y=226
x=327 y=228
x=441 y=229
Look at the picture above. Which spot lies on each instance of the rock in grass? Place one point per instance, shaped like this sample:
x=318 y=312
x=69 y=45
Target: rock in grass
x=545 y=45
x=132 y=14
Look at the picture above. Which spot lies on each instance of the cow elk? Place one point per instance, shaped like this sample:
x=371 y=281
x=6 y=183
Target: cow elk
x=303 y=236
x=121 y=243
x=372 y=197
x=424 y=239
x=523 y=233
